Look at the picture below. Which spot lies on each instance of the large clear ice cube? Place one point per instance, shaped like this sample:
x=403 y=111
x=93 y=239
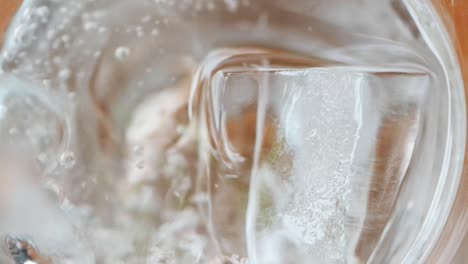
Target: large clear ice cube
x=328 y=173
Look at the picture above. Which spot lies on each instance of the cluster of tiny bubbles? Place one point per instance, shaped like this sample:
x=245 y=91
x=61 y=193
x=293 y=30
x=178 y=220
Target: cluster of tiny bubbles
x=32 y=122
x=137 y=151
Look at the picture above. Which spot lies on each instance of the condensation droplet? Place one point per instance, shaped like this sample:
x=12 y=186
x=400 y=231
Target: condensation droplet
x=68 y=160
x=122 y=53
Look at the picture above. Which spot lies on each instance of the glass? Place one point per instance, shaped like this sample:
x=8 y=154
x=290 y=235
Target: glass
x=233 y=131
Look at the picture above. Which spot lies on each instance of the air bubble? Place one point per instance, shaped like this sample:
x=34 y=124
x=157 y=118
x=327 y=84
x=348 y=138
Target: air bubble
x=313 y=133
x=155 y=32
x=13 y=131
x=180 y=129
x=138 y=150
x=211 y=6
x=102 y=30
x=68 y=160
x=140 y=165
x=65 y=38
x=3 y=111
x=90 y=26
x=232 y=5
x=42 y=158
x=122 y=53
x=43 y=12
x=64 y=75
x=146 y=19
x=231 y=176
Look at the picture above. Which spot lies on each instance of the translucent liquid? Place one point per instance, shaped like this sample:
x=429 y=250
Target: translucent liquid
x=218 y=131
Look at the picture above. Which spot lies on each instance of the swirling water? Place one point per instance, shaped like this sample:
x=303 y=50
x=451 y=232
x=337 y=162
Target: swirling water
x=200 y=131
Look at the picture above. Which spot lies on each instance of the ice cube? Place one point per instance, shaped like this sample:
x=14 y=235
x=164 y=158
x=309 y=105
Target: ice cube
x=318 y=174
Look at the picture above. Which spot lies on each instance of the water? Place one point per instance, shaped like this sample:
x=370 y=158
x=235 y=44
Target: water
x=201 y=131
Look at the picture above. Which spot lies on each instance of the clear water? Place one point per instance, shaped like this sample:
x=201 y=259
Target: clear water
x=199 y=131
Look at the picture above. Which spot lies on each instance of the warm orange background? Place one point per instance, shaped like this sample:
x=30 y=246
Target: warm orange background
x=7 y=10
x=455 y=14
